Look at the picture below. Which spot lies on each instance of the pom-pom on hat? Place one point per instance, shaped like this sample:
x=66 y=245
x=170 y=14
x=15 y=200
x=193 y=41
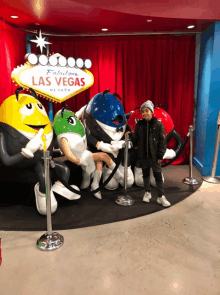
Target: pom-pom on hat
x=148 y=104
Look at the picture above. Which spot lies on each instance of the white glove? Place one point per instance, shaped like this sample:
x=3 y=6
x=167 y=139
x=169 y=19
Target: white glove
x=118 y=144
x=169 y=154
x=86 y=157
x=107 y=148
x=87 y=162
x=116 y=153
x=121 y=144
x=83 y=163
x=34 y=144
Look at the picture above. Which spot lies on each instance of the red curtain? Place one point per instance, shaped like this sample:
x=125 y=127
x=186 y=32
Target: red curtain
x=159 y=68
x=12 y=52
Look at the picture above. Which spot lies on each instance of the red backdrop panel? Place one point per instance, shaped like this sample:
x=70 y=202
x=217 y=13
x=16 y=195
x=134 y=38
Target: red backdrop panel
x=159 y=68
x=12 y=52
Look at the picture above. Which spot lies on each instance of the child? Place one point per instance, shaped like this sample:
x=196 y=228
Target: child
x=150 y=139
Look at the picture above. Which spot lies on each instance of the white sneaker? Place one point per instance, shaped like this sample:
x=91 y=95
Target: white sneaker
x=163 y=201
x=147 y=197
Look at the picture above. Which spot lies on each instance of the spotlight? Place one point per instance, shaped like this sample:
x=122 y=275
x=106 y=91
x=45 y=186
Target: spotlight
x=32 y=58
x=43 y=60
x=88 y=63
x=62 y=61
x=53 y=60
x=71 y=62
x=79 y=63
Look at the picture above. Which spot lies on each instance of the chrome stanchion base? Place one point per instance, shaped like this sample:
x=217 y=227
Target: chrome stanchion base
x=50 y=242
x=212 y=179
x=190 y=181
x=124 y=200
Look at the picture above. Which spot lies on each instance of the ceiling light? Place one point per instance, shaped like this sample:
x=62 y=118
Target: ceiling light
x=190 y=27
x=79 y=63
x=149 y=20
x=104 y=29
x=14 y=16
x=43 y=60
x=88 y=63
x=71 y=62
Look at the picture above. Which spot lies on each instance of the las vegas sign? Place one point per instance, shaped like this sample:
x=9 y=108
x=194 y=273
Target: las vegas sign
x=55 y=77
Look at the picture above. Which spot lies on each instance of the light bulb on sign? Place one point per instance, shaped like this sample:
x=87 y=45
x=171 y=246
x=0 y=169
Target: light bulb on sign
x=53 y=60
x=62 y=61
x=79 y=63
x=88 y=63
x=43 y=60
x=32 y=59
x=71 y=62
x=190 y=27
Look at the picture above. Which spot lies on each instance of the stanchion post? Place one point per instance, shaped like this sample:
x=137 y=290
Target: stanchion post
x=191 y=151
x=213 y=178
x=125 y=200
x=126 y=164
x=50 y=240
x=48 y=196
x=190 y=180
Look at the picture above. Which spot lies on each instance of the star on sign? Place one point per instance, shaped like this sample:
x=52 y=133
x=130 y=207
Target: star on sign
x=40 y=41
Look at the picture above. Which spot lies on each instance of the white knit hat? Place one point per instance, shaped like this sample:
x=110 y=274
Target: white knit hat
x=148 y=104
